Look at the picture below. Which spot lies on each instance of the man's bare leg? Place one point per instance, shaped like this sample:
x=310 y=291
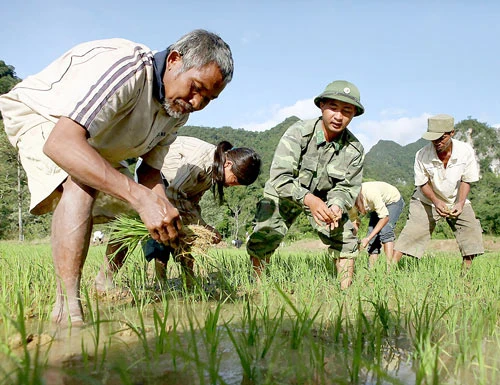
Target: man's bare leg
x=187 y=267
x=113 y=261
x=372 y=260
x=259 y=265
x=467 y=261
x=71 y=229
x=389 y=250
x=394 y=260
x=396 y=257
x=345 y=271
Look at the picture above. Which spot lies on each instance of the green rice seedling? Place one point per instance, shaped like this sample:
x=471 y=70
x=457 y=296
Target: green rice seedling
x=317 y=360
x=141 y=330
x=336 y=324
x=303 y=323
x=194 y=240
x=194 y=356
x=211 y=336
x=99 y=353
x=270 y=325
x=130 y=232
x=167 y=338
x=161 y=329
x=470 y=346
x=244 y=343
x=235 y=264
x=27 y=369
x=254 y=339
x=422 y=323
x=358 y=334
x=382 y=314
x=361 y=325
x=246 y=357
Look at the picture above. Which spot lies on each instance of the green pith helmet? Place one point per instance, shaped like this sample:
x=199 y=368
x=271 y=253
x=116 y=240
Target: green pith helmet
x=345 y=92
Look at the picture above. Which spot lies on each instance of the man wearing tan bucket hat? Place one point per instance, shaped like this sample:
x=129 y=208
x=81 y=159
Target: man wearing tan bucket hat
x=444 y=170
x=316 y=169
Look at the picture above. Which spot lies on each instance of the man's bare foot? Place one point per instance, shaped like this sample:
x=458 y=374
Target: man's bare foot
x=64 y=318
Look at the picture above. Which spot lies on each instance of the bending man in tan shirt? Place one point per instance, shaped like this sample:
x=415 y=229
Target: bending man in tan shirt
x=100 y=103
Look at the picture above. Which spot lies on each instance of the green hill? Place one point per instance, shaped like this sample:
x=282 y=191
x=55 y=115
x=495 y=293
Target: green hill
x=386 y=161
x=263 y=142
x=392 y=163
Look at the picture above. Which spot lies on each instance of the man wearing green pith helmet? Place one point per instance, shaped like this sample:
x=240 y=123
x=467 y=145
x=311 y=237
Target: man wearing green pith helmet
x=316 y=169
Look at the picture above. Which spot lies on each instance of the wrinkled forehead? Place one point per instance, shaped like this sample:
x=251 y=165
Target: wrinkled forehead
x=209 y=79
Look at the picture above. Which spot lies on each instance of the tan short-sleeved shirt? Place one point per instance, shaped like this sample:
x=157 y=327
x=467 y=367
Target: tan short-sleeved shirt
x=107 y=87
x=377 y=195
x=462 y=167
x=187 y=168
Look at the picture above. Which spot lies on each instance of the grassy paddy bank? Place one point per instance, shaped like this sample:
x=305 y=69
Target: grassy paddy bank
x=424 y=323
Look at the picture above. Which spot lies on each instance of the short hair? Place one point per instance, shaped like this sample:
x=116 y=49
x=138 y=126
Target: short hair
x=200 y=47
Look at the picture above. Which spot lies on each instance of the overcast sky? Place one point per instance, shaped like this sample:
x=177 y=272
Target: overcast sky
x=409 y=61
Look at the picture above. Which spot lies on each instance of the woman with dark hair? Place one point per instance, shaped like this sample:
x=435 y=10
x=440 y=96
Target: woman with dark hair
x=190 y=168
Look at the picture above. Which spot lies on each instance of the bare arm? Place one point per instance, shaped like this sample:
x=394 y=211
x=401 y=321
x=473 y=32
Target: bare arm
x=380 y=224
x=441 y=206
x=463 y=193
x=67 y=146
x=151 y=178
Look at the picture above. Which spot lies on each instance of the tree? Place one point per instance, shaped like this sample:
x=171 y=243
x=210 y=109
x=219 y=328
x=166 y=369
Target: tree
x=8 y=78
x=241 y=202
x=14 y=194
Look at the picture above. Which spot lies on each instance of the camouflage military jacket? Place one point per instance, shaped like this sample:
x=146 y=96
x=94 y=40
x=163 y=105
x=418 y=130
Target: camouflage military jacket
x=305 y=162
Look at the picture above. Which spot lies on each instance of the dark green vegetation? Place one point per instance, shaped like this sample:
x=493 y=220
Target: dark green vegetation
x=386 y=161
x=8 y=78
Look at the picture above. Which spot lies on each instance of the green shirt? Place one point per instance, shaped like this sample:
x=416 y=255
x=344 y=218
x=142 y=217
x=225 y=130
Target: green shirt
x=304 y=162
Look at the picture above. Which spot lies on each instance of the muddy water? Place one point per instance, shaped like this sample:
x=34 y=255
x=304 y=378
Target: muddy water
x=124 y=350
x=127 y=347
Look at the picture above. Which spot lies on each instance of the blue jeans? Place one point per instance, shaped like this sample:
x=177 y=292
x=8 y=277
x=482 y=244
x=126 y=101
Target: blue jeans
x=386 y=234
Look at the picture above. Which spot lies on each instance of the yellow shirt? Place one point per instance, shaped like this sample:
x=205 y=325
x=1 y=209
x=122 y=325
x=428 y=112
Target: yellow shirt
x=377 y=195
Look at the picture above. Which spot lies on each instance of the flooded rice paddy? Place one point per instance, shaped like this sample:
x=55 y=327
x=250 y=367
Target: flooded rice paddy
x=427 y=322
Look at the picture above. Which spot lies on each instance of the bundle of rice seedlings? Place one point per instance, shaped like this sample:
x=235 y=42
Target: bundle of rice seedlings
x=129 y=232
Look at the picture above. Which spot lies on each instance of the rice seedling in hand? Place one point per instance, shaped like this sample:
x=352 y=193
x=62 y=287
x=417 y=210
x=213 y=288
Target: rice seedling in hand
x=129 y=232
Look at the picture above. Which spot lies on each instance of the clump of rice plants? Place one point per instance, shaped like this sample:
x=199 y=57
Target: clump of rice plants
x=129 y=232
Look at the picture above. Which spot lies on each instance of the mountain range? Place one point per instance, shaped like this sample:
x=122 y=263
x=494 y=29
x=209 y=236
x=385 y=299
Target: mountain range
x=386 y=161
